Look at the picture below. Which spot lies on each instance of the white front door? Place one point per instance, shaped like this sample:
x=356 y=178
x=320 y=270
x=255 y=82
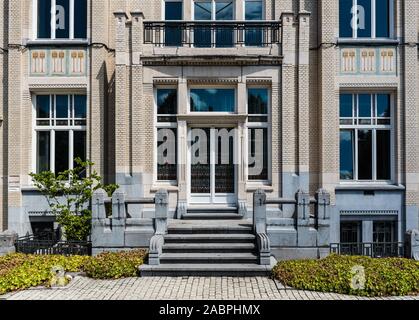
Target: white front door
x=212 y=168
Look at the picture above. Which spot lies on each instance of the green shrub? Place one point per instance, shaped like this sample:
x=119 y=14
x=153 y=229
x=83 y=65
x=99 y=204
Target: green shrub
x=115 y=265
x=19 y=271
x=383 y=277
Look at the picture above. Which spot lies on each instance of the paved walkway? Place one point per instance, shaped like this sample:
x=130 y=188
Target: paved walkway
x=186 y=288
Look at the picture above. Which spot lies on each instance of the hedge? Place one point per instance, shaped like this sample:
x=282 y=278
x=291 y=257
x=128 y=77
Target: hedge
x=383 y=276
x=20 y=271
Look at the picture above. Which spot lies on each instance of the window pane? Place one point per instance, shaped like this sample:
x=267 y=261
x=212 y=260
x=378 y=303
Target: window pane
x=258 y=101
x=62 y=107
x=384 y=231
x=383 y=105
x=202 y=35
x=383 y=155
x=79 y=143
x=42 y=107
x=364 y=154
x=364 y=108
x=167 y=154
x=346 y=154
x=213 y=100
x=166 y=101
x=61 y=151
x=44 y=19
x=80 y=19
x=173 y=35
x=345 y=18
x=80 y=110
x=382 y=9
x=253 y=11
x=350 y=232
x=258 y=154
x=364 y=21
x=203 y=10
x=346 y=105
x=43 y=151
x=224 y=11
x=63 y=19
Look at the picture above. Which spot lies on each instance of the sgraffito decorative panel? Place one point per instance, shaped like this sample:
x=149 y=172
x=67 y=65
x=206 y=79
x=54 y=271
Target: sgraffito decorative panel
x=58 y=62
x=372 y=61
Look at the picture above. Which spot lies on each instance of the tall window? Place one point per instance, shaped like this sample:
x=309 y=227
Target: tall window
x=258 y=149
x=213 y=10
x=365 y=137
x=166 y=100
x=173 y=34
x=351 y=232
x=61 y=19
x=365 y=18
x=384 y=232
x=253 y=12
x=60 y=131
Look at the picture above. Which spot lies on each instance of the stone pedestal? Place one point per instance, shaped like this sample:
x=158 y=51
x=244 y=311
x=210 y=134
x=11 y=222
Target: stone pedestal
x=7 y=242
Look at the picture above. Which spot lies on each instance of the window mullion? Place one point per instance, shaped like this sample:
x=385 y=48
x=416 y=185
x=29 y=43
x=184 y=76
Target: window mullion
x=355 y=21
x=374 y=154
x=71 y=22
x=53 y=19
x=71 y=150
x=52 y=163
x=373 y=19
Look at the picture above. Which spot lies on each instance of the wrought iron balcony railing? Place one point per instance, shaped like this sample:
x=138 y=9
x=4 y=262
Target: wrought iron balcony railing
x=375 y=249
x=212 y=34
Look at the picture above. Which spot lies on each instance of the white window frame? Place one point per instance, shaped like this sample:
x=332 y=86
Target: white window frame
x=259 y=125
x=373 y=127
x=53 y=21
x=162 y=125
x=373 y=20
x=52 y=128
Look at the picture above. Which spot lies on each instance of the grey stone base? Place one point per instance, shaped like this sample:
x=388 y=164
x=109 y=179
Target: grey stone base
x=96 y=251
x=299 y=253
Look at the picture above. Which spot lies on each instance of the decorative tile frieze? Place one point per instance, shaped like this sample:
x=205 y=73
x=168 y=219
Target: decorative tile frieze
x=372 y=61
x=369 y=212
x=58 y=63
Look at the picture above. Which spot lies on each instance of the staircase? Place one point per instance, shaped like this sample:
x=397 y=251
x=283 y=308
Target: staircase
x=209 y=242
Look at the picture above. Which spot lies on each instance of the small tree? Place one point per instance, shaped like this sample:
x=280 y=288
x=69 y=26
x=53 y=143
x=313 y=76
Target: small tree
x=69 y=194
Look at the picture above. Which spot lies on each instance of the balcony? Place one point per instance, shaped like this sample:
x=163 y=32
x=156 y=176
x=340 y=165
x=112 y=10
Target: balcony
x=212 y=34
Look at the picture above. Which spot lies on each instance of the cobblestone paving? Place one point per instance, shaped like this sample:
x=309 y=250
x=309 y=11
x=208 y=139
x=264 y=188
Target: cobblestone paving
x=186 y=288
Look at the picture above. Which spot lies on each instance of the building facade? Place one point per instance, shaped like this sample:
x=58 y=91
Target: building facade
x=213 y=100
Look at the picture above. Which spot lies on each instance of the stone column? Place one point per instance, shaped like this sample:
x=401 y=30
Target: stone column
x=242 y=168
x=183 y=168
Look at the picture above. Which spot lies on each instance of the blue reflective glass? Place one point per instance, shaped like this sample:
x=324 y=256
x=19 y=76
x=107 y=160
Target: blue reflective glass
x=173 y=34
x=44 y=19
x=166 y=101
x=383 y=105
x=202 y=35
x=345 y=18
x=364 y=105
x=364 y=154
x=258 y=101
x=42 y=107
x=364 y=18
x=254 y=11
x=62 y=27
x=382 y=9
x=80 y=19
x=224 y=34
x=346 y=105
x=80 y=109
x=213 y=100
x=61 y=107
x=346 y=154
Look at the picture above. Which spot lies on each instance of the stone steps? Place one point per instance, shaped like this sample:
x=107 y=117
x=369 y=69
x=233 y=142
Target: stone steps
x=209 y=238
x=210 y=258
x=211 y=216
x=209 y=247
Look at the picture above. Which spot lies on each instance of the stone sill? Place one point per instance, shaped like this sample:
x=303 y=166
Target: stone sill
x=57 y=42
x=374 y=187
x=367 y=42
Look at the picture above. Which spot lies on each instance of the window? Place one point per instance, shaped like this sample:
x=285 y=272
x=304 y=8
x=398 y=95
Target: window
x=60 y=131
x=384 y=232
x=61 y=19
x=253 y=11
x=350 y=232
x=372 y=18
x=166 y=100
x=173 y=34
x=258 y=148
x=365 y=137
x=213 y=100
x=213 y=10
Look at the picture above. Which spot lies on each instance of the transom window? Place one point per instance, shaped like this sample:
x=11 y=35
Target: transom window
x=61 y=19
x=213 y=100
x=365 y=137
x=166 y=101
x=258 y=134
x=60 y=131
x=366 y=18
